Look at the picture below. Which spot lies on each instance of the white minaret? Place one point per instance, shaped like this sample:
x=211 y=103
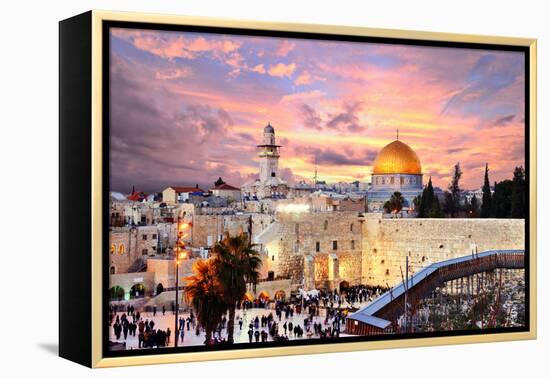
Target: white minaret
x=269 y=155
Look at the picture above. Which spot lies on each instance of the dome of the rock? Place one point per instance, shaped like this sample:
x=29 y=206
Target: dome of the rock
x=397 y=157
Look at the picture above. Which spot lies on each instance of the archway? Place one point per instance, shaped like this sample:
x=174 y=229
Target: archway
x=137 y=291
x=248 y=297
x=116 y=293
x=264 y=296
x=160 y=288
x=280 y=295
x=344 y=286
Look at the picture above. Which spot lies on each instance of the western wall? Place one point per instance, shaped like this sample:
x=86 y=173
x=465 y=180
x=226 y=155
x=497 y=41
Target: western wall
x=387 y=242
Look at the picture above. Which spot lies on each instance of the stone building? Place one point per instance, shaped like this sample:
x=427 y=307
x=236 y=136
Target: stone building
x=314 y=249
x=178 y=194
x=268 y=184
x=130 y=244
x=397 y=168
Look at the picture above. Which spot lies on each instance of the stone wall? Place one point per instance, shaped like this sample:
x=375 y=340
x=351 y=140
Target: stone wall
x=387 y=242
x=208 y=229
x=296 y=235
x=127 y=244
x=127 y=280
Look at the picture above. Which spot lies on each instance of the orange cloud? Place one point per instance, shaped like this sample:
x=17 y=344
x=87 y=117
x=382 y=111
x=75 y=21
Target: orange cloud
x=282 y=70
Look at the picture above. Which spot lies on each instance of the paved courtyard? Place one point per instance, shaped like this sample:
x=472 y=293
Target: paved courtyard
x=241 y=336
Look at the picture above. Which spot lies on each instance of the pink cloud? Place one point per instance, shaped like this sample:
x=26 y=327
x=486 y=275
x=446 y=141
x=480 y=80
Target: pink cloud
x=171 y=74
x=285 y=47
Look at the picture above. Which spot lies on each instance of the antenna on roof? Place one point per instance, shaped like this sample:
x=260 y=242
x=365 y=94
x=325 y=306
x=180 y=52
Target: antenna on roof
x=398 y=134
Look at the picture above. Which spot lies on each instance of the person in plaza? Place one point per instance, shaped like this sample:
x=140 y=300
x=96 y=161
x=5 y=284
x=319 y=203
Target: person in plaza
x=163 y=310
x=125 y=329
x=182 y=333
x=117 y=328
x=154 y=310
x=168 y=334
x=250 y=334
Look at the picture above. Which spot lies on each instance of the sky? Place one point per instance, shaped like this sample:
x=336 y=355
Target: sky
x=187 y=108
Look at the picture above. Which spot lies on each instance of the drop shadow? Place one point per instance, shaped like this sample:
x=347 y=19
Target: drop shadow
x=51 y=348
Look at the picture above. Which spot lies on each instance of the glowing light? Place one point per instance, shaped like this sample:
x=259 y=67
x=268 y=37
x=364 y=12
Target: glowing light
x=293 y=208
x=183 y=226
x=182 y=255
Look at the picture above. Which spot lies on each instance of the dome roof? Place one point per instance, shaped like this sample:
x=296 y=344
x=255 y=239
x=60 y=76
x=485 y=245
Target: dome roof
x=269 y=129
x=397 y=157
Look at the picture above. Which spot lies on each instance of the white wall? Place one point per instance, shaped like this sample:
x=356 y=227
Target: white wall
x=28 y=151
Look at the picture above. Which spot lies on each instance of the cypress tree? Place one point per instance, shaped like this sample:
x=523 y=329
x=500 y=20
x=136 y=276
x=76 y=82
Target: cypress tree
x=455 y=190
x=435 y=211
x=518 y=193
x=486 y=198
x=426 y=201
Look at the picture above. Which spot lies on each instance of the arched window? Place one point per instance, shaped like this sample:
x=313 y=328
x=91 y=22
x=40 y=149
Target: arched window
x=113 y=249
x=120 y=249
x=112 y=270
x=326 y=225
x=351 y=227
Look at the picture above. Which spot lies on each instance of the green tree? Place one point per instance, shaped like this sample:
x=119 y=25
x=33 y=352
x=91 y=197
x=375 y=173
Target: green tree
x=204 y=292
x=435 y=210
x=474 y=207
x=395 y=204
x=501 y=201
x=455 y=190
x=429 y=206
x=237 y=265
x=518 y=193
x=486 y=198
x=417 y=202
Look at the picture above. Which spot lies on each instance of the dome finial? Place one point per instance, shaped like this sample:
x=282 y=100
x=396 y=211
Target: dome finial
x=397 y=138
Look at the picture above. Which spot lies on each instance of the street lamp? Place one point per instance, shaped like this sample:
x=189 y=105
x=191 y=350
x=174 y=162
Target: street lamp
x=181 y=254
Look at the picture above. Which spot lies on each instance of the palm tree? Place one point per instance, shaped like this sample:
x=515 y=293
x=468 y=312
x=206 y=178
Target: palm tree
x=204 y=293
x=237 y=265
x=395 y=204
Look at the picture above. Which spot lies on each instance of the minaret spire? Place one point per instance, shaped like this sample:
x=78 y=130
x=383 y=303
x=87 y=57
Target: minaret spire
x=315 y=177
x=397 y=133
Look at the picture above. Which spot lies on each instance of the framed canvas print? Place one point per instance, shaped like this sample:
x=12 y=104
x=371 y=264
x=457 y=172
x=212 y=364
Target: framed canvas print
x=236 y=189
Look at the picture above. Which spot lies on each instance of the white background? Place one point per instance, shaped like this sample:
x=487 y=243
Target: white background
x=29 y=185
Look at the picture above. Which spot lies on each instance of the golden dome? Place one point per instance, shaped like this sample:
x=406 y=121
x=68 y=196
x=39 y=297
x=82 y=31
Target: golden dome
x=397 y=157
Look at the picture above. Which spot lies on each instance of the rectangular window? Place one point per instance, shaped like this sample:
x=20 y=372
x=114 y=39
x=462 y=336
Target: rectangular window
x=353 y=244
x=334 y=245
x=144 y=252
x=154 y=236
x=317 y=246
x=144 y=237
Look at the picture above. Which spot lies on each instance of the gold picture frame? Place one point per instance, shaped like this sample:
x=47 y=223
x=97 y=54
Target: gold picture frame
x=93 y=25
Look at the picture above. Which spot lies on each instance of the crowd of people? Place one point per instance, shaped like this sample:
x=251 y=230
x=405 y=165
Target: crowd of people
x=321 y=315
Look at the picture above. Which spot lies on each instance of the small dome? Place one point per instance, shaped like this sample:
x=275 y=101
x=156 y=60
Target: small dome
x=397 y=157
x=269 y=129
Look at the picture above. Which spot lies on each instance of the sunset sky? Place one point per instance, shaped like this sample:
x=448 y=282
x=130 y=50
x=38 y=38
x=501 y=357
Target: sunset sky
x=187 y=108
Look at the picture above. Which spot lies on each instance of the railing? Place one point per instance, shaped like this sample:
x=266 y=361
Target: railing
x=375 y=317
